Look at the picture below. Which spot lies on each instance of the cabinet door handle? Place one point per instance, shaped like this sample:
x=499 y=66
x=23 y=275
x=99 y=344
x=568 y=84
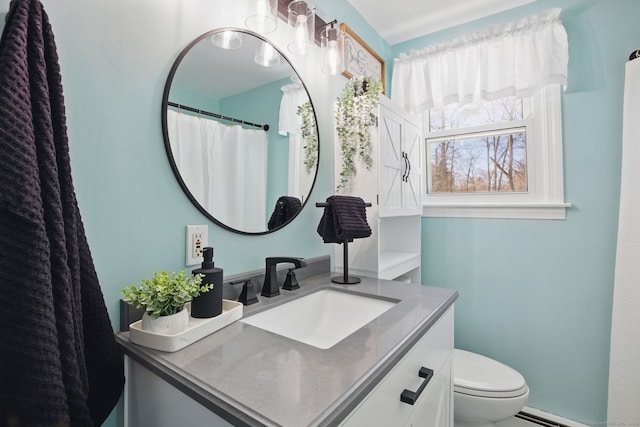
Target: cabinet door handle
x=406 y=156
x=405 y=173
x=411 y=397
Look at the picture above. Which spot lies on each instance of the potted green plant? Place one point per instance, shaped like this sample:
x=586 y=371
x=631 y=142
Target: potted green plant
x=355 y=114
x=163 y=297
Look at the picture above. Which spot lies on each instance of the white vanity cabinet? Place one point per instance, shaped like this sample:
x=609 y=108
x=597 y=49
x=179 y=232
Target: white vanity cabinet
x=151 y=401
x=434 y=405
x=245 y=375
x=393 y=186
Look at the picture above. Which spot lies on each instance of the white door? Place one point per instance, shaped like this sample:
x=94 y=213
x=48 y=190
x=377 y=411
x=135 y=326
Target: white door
x=412 y=179
x=392 y=162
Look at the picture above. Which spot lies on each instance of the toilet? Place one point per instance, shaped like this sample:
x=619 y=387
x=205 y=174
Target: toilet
x=485 y=390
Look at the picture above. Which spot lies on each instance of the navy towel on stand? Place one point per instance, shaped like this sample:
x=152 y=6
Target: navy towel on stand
x=344 y=219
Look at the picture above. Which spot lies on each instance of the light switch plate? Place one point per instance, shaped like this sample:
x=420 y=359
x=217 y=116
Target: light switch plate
x=197 y=237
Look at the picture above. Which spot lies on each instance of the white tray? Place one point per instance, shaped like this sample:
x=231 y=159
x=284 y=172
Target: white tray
x=196 y=329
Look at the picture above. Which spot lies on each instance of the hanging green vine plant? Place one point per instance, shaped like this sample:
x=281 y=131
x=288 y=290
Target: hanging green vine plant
x=309 y=135
x=355 y=114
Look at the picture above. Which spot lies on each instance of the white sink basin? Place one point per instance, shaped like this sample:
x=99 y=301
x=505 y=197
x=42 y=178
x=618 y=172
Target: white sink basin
x=321 y=319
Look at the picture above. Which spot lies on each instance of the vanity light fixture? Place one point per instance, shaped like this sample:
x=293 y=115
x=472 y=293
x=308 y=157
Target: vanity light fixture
x=332 y=45
x=266 y=55
x=302 y=22
x=264 y=19
x=227 y=39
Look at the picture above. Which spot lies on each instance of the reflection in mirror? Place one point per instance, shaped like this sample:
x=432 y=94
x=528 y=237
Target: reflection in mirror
x=240 y=131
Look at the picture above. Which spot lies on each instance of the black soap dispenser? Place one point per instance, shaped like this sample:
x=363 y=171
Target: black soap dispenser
x=208 y=304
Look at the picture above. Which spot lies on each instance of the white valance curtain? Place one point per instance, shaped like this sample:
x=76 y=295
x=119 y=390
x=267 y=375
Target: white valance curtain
x=224 y=167
x=518 y=59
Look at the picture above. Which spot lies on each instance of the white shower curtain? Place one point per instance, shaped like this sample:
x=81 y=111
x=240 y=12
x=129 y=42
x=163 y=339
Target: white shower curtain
x=224 y=167
x=624 y=367
x=188 y=157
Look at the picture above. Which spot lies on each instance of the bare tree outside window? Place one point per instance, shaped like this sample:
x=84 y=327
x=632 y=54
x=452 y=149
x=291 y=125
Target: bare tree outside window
x=473 y=157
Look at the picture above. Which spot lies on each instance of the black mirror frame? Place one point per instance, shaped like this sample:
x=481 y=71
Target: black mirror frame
x=167 y=144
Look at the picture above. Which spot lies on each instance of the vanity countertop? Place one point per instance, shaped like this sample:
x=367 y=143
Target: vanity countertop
x=250 y=376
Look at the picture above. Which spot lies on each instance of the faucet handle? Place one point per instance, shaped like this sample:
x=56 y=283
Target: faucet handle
x=248 y=295
x=291 y=283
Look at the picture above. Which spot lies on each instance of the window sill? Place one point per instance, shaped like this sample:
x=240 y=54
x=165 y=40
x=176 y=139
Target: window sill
x=497 y=210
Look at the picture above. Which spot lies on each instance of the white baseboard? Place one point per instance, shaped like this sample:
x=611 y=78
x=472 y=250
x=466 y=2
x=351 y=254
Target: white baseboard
x=514 y=422
x=551 y=418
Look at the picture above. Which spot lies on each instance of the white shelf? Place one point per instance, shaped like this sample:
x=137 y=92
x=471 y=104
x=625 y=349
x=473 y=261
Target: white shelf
x=394 y=263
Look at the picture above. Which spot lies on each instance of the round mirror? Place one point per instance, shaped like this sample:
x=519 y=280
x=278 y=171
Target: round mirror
x=240 y=131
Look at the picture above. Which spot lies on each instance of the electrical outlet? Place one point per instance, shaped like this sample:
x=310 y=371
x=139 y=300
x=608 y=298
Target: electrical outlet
x=196 y=245
x=197 y=238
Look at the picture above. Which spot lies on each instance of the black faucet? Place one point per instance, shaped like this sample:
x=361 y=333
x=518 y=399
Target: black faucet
x=271 y=287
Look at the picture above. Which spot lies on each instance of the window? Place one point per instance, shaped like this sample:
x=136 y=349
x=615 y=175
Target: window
x=478 y=148
x=501 y=159
x=496 y=159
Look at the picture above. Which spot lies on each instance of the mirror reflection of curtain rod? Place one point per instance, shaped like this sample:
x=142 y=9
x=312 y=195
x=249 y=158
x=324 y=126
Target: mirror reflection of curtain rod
x=265 y=127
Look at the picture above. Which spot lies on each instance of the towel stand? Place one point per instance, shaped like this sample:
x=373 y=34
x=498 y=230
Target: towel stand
x=345 y=279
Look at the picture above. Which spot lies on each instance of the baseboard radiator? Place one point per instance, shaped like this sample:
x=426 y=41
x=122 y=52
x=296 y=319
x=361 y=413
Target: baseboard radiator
x=539 y=418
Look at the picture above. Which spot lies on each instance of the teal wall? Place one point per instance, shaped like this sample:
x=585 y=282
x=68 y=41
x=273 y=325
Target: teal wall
x=186 y=97
x=537 y=295
x=115 y=56
x=534 y=294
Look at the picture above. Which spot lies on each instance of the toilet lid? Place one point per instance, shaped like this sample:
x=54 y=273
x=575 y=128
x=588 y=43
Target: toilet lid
x=481 y=376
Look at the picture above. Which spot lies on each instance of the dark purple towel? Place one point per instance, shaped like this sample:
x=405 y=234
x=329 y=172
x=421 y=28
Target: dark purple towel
x=287 y=207
x=59 y=362
x=344 y=218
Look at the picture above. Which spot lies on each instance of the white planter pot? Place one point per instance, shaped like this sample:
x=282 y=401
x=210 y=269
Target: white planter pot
x=166 y=325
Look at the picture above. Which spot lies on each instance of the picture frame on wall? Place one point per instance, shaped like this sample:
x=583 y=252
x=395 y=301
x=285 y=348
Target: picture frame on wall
x=359 y=58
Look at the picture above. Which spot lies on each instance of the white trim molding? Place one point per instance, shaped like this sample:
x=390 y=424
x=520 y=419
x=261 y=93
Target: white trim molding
x=497 y=210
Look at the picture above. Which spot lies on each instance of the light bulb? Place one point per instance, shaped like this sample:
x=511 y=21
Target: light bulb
x=266 y=55
x=301 y=34
x=263 y=20
x=301 y=17
x=227 y=40
x=331 y=42
x=261 y=12
x=333 y=57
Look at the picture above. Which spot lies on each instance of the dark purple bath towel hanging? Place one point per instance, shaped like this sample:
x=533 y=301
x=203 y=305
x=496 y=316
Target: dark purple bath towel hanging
x=59 y=362
x=344 y=218
x=286 y=209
